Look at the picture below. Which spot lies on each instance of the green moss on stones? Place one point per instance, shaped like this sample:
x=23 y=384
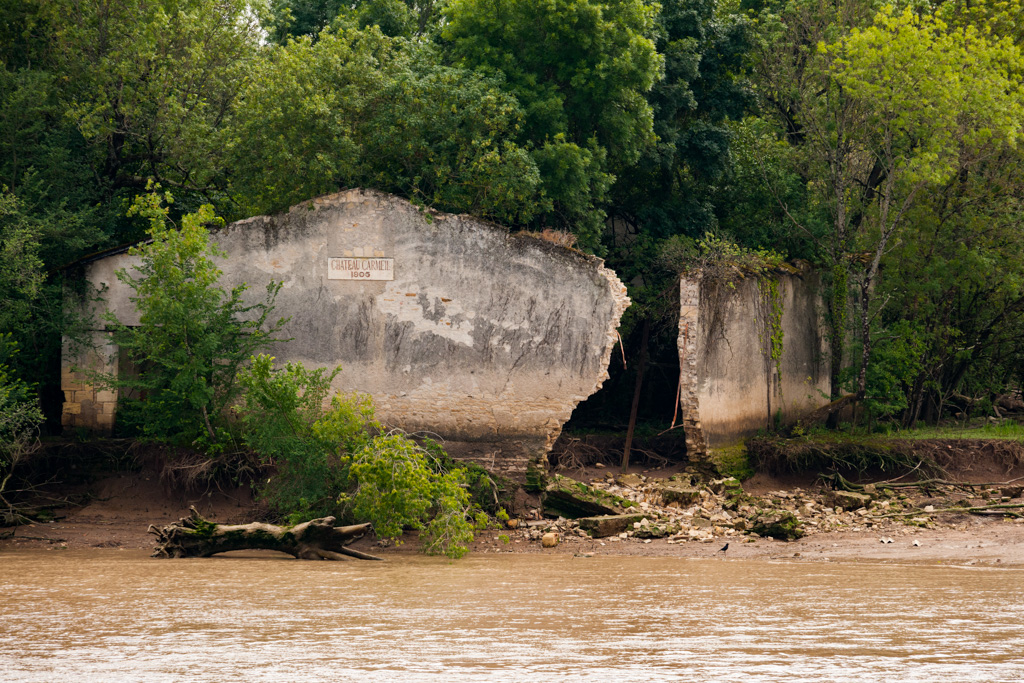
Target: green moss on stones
x=571 y=499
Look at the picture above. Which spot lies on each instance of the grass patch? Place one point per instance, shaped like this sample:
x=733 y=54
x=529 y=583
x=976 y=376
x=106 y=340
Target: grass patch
x=732 y=461
x=1008 y=431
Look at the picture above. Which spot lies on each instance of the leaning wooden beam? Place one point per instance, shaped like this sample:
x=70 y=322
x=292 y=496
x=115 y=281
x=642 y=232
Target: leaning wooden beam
x=317 y=539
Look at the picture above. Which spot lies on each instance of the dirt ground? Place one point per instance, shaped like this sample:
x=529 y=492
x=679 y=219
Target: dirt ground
x=124 y=505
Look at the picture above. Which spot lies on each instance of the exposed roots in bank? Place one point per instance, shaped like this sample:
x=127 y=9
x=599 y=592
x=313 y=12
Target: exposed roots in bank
x=574 y=454
x=782 y=456
x=930 y=458
x=189 y=470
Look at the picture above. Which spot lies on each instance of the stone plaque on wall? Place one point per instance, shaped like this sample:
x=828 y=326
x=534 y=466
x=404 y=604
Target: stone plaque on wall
x=349 y=268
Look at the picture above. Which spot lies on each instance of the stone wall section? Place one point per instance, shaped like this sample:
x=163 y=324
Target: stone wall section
x=86 y=406
x=727 y=389
x=689 y=379
x=483 y=339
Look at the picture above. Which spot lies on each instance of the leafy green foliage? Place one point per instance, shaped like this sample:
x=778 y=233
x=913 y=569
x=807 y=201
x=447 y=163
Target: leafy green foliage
x=20 y=416
x=580 y=71
x=21 y=268
x=148 y=84
x=284 y=421
x=356 y=108
x=338 y=460
x=192 y=337
x=396 y=486
x=895 y=364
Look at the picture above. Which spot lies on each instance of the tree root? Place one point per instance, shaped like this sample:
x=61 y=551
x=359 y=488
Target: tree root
x=1003 y=509
x=839 y=482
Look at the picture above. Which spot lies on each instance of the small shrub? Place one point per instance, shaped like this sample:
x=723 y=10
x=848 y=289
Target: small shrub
x=336 y=460
x=193 y=336
x=283 y=419
x=395 y=487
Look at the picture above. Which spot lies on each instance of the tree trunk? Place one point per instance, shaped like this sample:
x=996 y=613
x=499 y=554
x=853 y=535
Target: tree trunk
x=317 y=539
x=636 y=395
x=836 y=321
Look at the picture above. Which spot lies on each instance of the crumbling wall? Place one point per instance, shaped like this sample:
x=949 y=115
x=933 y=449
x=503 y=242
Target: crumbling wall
x=730 y=387
x=483 y=339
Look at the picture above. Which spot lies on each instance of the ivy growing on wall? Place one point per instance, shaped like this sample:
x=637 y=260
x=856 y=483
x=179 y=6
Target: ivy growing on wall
x=770 y=334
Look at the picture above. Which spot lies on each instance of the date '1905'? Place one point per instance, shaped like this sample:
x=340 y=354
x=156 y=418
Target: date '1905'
x=347 y=268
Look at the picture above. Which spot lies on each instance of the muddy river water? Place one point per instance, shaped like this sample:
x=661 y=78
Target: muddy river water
x=120 y=616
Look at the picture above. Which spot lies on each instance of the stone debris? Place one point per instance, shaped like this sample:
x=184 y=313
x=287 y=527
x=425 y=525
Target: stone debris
x=567 y=497
x=608 y=525
x=680 y=509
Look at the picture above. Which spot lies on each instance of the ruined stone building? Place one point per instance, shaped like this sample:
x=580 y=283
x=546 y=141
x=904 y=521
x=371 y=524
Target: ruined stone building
x=456 y=328
x=482 y=339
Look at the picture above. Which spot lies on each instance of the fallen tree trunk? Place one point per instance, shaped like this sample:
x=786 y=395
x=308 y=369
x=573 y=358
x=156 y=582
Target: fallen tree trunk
x=317 y=539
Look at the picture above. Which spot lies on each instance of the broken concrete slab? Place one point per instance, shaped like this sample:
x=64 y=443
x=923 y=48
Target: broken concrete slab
x=848 y=500
x=572 y=499
x=632 y=481
x=608 y=525
x=780 y=524
x=655 y=530
x=677 y=493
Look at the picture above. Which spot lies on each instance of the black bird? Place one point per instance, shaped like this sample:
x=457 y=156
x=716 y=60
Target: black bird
x=724 y=548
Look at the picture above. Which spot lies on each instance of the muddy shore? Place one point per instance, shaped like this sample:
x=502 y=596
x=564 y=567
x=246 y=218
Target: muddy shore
x=124 y=505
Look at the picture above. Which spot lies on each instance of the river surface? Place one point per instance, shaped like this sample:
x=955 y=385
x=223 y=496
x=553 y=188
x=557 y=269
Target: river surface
x=120 y=616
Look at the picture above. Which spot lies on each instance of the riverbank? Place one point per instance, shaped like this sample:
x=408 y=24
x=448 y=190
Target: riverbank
x=123 y=506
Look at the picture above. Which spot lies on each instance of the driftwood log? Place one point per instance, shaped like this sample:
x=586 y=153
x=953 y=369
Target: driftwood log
x=317 y=539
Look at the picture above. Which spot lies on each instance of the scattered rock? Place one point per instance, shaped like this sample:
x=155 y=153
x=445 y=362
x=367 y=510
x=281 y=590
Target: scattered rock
x=682 y=495
x=632 y=481
x=650 y=531
x=724 y=486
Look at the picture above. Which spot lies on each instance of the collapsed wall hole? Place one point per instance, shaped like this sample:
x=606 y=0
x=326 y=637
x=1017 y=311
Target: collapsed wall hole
x=596 y=431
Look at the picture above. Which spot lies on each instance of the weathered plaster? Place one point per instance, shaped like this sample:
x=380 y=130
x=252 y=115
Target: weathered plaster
x=485 y=339
x=725 y=384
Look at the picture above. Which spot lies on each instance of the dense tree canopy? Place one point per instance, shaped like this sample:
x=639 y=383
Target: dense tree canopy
x=878 y=140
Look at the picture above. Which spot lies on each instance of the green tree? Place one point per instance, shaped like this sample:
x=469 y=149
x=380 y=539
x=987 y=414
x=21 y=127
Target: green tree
x=20 y=419
x=580 y=70
x=879 y=115
x=21 y=268
x=193 y=337
x=356 y=108
x=149 y=85
x=924 y=93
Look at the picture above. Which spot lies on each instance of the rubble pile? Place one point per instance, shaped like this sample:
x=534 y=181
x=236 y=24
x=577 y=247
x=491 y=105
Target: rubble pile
x=686 y=508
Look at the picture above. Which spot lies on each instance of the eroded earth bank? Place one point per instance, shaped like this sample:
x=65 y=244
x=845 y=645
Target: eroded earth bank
x=968 y=517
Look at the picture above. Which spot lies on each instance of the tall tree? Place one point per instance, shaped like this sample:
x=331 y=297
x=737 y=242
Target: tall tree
x=880 y=114
x=580 y=69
